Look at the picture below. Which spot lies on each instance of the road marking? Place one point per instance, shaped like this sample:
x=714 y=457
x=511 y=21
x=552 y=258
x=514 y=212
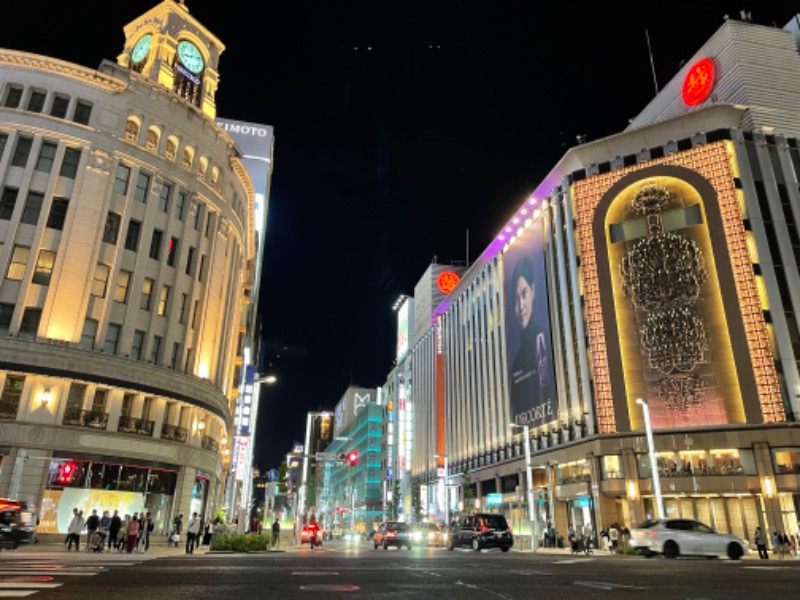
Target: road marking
x=531 y=572
x=25 y=585
x=329 y=588
x=313 y=573
x=16 y=594
x=604 y=585
x=41 y=572
x=572 y=561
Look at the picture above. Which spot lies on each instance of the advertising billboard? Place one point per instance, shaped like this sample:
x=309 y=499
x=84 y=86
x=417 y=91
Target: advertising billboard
x=403 y=329
x=350 y=405
x=531 y=377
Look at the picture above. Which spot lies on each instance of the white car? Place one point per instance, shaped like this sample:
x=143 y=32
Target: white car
x=685 y=537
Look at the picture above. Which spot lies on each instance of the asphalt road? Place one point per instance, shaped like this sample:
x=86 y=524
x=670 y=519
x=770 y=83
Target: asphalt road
x=359 y=571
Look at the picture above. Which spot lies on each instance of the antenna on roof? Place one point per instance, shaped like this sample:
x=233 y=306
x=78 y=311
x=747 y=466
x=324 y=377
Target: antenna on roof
x=652 y=65
x=746 y=15
x=468 y=247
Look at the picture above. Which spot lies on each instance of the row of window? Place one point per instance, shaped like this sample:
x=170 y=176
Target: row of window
x=54 y=104
x=45 y=161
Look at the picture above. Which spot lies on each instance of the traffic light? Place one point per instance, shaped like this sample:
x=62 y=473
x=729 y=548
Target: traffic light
x=352 y=458
x=66 y=473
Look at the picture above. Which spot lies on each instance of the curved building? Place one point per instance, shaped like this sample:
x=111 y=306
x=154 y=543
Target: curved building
x=127 y=252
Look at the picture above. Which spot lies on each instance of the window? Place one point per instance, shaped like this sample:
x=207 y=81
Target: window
x=142 y=185
x=99 y=401
x=3 y=142
x=138 y=345
x=147 y=294
x=100 y=282
x=32 y=209
x=151 y=139
x=155 y=349
x=209 y=224
x=59 y=108
x=47 y=156
x=58 y=213
x=182 y=309
x=69 y=165
x=30 y=323
x=21 y=152
x=12 y=394
x=127 y=405
x=44 y=267
x=88 y=334
x=121 y=179
x=175 y=359
x=163 y=196
x=75 y=397
x=163 y=301
x=36 y=101
x=122 y=287
x=171 y=151
x=194 y=313
x=190 y=261
x=201 y=272
x=19 y=260
x=155 y=244
x=147 y=408
x=187 y=368
x=83 y=111
x=132 y=237
x=13 y=96
x=180 y=205
x=198 y=211
x=6 y=312
x=111 y=231
x=172 y=251
x=7 y=202
x=112 y=338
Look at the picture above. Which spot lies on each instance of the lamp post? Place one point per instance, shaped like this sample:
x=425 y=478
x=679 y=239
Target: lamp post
x=526 y=431
x=651 y=448
x=446 y=490
x=306 y=455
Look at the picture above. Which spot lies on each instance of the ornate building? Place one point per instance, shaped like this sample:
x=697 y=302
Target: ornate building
x=127 y=251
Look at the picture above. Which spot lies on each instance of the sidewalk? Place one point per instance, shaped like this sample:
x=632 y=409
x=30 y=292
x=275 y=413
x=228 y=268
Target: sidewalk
x=54 y=542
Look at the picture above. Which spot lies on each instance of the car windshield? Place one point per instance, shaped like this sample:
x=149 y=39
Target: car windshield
x=649 y=524
x=396 y=526
x=495 y=522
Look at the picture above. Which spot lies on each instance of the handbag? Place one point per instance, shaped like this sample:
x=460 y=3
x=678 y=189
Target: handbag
x=176 y=537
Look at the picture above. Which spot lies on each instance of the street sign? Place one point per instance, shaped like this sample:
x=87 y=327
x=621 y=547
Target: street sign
x=494 y=499
x=323 y=456
x=272 y=475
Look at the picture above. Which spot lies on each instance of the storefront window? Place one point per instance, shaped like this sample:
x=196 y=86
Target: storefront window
x=573 y=472
x=611 y=467
x=786 y=460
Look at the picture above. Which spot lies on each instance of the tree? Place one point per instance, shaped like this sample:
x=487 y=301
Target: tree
x=415 y=500
x=469 y=489
x=396 y=499
x=283 y=478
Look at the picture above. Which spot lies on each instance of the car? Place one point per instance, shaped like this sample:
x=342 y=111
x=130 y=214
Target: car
x=393 y=533
x=429 y=534
x=311 y=534
x=676 y=537
x=479 y=531
x=17 y=524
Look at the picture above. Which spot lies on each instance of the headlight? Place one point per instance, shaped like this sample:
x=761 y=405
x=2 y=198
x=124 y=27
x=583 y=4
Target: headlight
x=417 y=535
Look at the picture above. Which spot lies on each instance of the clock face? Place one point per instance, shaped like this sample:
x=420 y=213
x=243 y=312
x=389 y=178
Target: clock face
x=141 y=49
x=190 y=56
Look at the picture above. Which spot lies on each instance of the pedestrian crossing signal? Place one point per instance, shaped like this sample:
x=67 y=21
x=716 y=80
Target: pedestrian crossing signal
x=352 y=458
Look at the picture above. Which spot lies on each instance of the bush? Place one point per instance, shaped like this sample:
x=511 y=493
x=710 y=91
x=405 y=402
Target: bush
x=240 y=542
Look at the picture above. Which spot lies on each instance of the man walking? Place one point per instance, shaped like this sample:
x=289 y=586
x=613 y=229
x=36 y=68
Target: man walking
x=92 y=523
x=113 y=529
x=761 y=543
x=192 y=531
x=74 y=531
x=177 y=527
x=276 y=533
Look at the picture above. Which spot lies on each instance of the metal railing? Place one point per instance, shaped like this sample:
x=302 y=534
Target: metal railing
x=173 y=432
x=9 y=409
x=85 y=418
x=135 y=425
x=209 y=443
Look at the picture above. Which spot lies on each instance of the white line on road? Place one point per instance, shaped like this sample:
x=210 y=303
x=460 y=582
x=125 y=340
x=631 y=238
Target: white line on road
x=48 y=572
x=607 y=586
x=27 y=585
x=312 y=573
x=16 y=594
x=572 y=561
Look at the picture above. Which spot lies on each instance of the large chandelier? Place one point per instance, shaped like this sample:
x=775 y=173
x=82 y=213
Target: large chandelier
x=682 y=394
x=673 y=340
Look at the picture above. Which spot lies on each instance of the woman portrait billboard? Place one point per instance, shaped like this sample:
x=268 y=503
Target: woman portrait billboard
x=531 y=378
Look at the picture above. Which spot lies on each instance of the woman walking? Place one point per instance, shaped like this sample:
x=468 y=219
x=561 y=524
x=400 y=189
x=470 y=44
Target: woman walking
x=133 y=532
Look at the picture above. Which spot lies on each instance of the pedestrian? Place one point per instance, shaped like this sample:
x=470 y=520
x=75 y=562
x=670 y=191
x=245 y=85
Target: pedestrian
x=146 y=527
x=133 y=532
x=74 y=531
x=761 y=543
x=588 y=538
x=122 y=534
x=103 y=530
x=217 y=530
x=74 y=514
x=604 y=536
x=192 y=531
x=793 y=546
x=613 y=536
x=92 y=523
x=175 y=534
x=113 y=529
x=276 y=533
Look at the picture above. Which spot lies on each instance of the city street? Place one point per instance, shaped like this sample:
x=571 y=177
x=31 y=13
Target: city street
x=358 y=570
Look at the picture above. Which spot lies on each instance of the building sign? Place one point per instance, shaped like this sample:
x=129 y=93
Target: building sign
x=447 y=281
x=494 y=499
x=403 y=330
x=698 y=82
x=241 y=448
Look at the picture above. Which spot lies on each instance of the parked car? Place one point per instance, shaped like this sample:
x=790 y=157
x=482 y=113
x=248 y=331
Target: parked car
x=312 y=535
x=684 y=537
x=17 y=525
x=393 y=533
x=483 y=530
x=429 y=534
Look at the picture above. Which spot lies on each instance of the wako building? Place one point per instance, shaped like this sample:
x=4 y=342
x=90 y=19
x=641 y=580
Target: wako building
x=128 y=256
x=658 y=264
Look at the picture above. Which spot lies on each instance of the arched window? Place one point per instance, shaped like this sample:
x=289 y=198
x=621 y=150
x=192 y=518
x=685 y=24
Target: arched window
x=131 y=130
x=171 y=150
x=215 y=176
x=153 y=137
x=203 y=169
x=188 y=158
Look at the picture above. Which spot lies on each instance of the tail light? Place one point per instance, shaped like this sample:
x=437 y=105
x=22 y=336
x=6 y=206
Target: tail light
x=651 y=533
x=484 y=528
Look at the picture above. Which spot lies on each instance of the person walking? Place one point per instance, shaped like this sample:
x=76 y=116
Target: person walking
x=74 y=530
x=74 y=514
x=177 y=527
x=122 y=534
x=276 y=533
x=761 y=543
x=113 y=529
x=192 y=531
x=92 y=523
x=103 y=530
x=133 y=532
x=613 y=536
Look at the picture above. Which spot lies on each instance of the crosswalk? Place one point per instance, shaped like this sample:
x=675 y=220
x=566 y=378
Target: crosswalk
x=23 y=575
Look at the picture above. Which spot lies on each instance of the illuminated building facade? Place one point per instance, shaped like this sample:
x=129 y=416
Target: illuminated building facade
x=127 y=256
x=661 y=263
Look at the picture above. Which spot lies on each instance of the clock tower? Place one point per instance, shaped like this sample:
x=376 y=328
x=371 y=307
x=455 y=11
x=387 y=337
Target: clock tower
x=171 y=48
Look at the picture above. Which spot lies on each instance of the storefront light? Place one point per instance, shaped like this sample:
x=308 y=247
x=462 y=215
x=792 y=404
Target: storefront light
x=769 y=487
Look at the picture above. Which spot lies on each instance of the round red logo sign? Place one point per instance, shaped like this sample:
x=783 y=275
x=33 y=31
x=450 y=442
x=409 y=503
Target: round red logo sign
x=447 y=281
x=699 y=81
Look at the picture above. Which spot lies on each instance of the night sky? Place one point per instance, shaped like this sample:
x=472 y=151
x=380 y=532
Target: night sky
x=402 y=131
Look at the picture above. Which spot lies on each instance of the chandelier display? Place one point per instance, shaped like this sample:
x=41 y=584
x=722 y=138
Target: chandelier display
x=663 y=274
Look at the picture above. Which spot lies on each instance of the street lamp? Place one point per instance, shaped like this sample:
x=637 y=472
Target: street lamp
x=526 y=431
x=306 y=455
x=446 y=490
x=651 y=448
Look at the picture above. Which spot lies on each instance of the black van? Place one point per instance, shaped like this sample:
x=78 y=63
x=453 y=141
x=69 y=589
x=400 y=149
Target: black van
x=479 y=531
x=17 y=525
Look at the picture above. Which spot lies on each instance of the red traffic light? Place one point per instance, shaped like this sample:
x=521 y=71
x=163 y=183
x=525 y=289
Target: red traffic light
x=352 y=457
x=67 y=472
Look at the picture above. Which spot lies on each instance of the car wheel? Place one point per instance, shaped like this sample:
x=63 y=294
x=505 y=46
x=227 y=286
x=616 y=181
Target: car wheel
x=735 y=551
x=451 y=545
x=671 y=550
x=385 y=546
x=505 y=549
x=476 y=544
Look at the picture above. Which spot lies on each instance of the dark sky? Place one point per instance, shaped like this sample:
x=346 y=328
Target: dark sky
x=399 y=127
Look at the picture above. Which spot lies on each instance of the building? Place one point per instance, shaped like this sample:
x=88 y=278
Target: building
x=128 y=253
x=658 y=264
